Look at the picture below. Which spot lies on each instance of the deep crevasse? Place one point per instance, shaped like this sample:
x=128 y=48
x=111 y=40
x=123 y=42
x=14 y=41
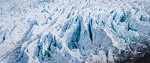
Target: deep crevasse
x=68 y=31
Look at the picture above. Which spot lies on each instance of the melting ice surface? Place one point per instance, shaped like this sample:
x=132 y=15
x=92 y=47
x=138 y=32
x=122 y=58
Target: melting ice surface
x=74 y=31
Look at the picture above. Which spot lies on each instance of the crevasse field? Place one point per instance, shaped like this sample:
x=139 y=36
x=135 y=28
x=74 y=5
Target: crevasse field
x=74 y=31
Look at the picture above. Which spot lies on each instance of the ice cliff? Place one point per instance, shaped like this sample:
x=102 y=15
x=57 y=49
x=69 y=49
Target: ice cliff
x=74 y=31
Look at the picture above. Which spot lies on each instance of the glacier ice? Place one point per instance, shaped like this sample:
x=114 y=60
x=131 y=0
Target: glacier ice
x=74 y=31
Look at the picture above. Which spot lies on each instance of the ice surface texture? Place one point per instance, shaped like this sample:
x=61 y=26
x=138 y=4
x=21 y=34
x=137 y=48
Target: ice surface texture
x=74 y=31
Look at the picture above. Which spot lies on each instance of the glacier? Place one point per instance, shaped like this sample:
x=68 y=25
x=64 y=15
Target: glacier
x=74 y=31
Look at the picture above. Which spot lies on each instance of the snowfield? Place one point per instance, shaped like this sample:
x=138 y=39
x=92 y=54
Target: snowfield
x=74 y=31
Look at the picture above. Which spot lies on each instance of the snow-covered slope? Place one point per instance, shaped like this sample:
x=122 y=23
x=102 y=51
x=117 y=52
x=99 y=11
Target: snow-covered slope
x=74 y=31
